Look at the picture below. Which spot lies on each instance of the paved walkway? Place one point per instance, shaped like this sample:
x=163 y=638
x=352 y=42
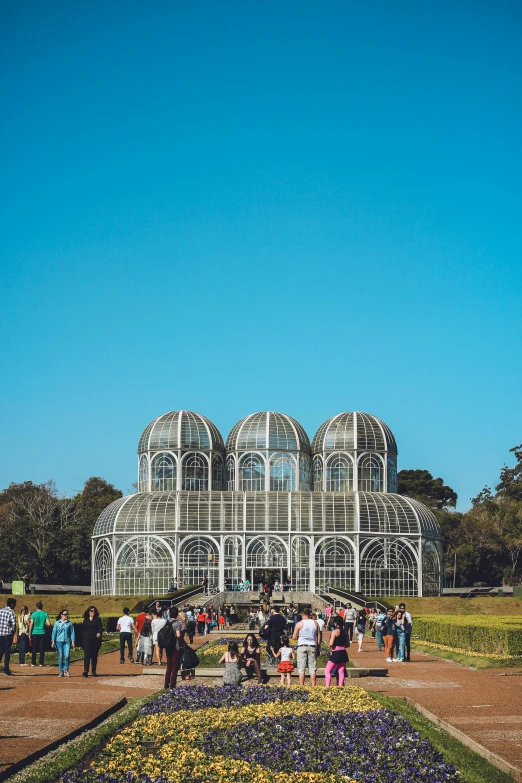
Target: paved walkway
x=38 y=708
x=485 y=705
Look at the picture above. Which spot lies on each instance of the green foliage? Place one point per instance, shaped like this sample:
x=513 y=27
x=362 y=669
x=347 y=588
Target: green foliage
x=488 y=635
x=421 y=485
x=487 y=539
x=48 y=536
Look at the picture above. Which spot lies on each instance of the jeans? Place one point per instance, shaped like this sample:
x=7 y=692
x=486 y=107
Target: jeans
x=349 y=630
x=5 y=649
x=408 y=645
x=401 y=637
x=125 y=638
x=378 y=634
x=191 y=630
x=201 y=629
x=64 y=654
x=23 y=646
x=39 y=641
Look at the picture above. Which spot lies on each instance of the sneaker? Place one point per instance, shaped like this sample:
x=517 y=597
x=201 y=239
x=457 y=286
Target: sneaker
x=33 y=664
x=389 y=660
x=66 y=673
x=85 y=674
x=399 y=660
x=131 y=660
x=61 y=674
x=394 y=660
x=23 y=664
x=94 y=674
x=122 y=661
x=8 y=674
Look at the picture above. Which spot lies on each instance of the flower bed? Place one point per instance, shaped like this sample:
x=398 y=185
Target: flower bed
x=266 y=735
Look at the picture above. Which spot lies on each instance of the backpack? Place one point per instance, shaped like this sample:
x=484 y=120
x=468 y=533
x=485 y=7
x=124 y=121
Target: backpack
x=189 y=658
x=264 y=633
x=167 y=637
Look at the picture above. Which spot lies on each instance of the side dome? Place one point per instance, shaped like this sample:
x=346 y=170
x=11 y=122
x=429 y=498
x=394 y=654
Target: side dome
x=267 y=430
x=354 y=431
x=181 y=430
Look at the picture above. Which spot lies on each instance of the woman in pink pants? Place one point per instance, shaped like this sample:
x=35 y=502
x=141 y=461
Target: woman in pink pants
x=338 y=656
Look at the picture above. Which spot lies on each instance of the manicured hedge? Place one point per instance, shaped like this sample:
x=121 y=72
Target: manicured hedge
x=478 y=633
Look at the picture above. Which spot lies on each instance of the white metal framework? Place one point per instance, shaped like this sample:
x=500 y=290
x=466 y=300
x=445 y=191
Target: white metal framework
x=267 y=508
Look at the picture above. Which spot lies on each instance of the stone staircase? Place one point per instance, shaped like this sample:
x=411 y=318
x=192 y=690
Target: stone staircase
x=240 y=598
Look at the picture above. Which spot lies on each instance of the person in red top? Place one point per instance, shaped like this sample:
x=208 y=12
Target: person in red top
x=140 y=619
x=202 y=619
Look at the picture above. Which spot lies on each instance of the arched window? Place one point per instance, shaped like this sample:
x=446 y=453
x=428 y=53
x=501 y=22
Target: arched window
x=370 y=473
x=392 y=474
x=163 y=473
x=232 y=561
x=195 y=473
x=231 y=473
x=317 y=467
x=143 y=479
x=252 y=473
x=304 y=472
x=430 y=570
x=144 y=566
x=217 y=472
x=198 y=558
x=282 y=473
x=300 y=564
x=388 y=567
x=268 y=552
x=334 y=564
x=339 y=473
x=103 y=569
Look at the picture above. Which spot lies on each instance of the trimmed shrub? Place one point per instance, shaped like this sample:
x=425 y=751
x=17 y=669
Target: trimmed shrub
x=477 y=633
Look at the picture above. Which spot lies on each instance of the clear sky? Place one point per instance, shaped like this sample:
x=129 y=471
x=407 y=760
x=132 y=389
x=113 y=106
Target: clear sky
x=235 y=206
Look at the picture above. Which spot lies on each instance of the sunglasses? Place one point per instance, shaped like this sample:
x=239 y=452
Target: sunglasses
x=65 y=613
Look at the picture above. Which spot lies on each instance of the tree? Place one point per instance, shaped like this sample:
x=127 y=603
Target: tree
x=420 y=485
x=511 y=478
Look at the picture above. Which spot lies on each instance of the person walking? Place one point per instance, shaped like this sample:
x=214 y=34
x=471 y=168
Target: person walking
x=191 y=623
x=23 y=628
x=252 y=657
x=388 y=630
x=380 y=617
x=350 y=616
x=39 y=622
x=172 y=648
x=285 y=666
x=62 y=639
x=308 y=635
x=144 y=641
x=7 y=630
x=156 y=625
x=91 y=639
x=126 y=627
x=338 y=657
x=360 y=627
x=408 y=627
x=232 y=660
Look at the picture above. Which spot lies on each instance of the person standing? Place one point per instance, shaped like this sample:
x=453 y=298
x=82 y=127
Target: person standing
x=144 y=641
x=380 y=617
x=138 y=621
x=63 y=639
x=285 y=667
x=173 y=649
x=156 y=625
x=277 y=625
x=126 y=627
x=7 y=629
x=23 y=628
x=338 y=657
x=308 y=635
x=39 y=622
x=349 y=620
x=408 y=627
x=202 y=619
x=360 y=627
x=388 y=630
x=191 y=623
x=400 y=621
x=91 y=640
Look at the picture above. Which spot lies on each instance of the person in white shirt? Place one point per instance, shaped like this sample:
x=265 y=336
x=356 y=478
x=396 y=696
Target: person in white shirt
x=308 y=637
x=349 y=620
x=408 y=628
x=125 y=626
x=157 y=623
x=319 y=620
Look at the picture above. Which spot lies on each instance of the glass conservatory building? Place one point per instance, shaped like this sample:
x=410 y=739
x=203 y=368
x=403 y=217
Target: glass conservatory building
x=267 y=505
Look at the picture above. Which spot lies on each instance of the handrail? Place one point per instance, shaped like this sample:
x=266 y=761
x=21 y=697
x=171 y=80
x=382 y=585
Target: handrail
x=358 y=598
x=177 y=599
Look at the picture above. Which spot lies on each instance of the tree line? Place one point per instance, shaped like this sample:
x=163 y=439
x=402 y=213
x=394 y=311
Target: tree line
x=46 y=535
x=484 y=542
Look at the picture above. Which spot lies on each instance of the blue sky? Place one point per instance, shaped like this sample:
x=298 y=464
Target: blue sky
x=229 y=207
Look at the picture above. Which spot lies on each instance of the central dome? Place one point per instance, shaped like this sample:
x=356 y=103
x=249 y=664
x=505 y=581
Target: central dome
x=270 y=431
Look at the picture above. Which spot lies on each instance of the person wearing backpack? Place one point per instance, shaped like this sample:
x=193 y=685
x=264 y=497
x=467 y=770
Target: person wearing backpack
x=169 y=639
x=379 y=620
